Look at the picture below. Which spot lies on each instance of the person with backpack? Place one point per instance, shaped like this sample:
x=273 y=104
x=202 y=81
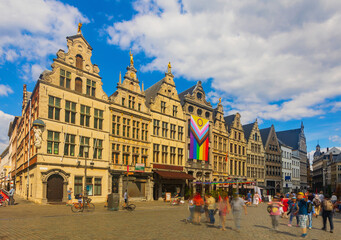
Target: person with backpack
x=311 y=211
x=317 y=205
x=327 y=212
x=302 y=211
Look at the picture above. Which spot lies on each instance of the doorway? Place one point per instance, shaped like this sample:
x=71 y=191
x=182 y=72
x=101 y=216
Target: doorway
x=55 y=188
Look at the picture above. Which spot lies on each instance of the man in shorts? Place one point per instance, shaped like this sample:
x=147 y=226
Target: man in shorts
x=302 y=211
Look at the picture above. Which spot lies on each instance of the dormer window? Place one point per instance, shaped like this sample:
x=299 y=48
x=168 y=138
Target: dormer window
x=78 y=85
x=199 y=95
x=79 y=61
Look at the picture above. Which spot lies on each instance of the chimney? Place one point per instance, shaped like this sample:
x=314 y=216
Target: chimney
x=24 y=97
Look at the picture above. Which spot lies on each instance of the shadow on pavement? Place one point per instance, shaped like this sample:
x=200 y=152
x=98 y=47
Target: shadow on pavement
x=285 y=233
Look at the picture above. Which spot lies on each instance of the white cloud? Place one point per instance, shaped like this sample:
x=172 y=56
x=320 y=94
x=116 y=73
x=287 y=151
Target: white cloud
x=5 y=90
x=5 y=119
x=335 y=138
x=32 y=30
x=274 y=59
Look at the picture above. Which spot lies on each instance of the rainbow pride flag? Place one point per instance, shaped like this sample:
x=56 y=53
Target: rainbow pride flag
x=199 y=140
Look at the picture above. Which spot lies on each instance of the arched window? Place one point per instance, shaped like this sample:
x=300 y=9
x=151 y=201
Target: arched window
x=78 y=85
x=79 y=62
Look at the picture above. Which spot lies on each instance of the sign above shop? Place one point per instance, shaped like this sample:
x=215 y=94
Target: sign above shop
x=139 y=167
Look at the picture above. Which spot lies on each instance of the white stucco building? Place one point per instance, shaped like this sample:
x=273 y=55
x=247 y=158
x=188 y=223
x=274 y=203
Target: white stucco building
x=286 y=167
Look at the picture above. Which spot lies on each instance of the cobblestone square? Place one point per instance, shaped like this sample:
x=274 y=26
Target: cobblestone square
x=150 y=220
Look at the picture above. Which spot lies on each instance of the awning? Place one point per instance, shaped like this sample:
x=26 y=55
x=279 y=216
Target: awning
x=174 y=175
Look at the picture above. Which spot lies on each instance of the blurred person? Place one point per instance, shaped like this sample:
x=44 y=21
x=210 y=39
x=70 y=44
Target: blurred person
x=224 y=209
x=302 y=211
x=285 y=206
x=312 y=212
x=321 y=196
x=275 y=212
x=292 y=205
x=211 y=206
x=198 y=203
x=256 y=197
x=191 y=208
x=317 y=205
x=333 y=198
x=237 y=204
x=69 y=197
x=327 y=213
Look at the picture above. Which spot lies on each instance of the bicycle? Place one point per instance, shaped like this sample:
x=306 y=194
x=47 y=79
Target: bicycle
x=80 y=207
x=3 y=203
x=129 y=207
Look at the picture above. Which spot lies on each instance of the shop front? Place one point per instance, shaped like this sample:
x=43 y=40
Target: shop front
x=169 y=179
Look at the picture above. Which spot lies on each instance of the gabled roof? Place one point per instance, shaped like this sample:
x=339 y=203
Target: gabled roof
x=229 y=120
x=152 y=91
x=290 y=137
x=79 y=36
x=247 y=130
x=281 y=143
x=184 y=93
x=265 y=134
x=334 y=151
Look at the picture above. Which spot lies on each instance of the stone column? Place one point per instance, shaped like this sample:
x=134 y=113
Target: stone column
x=120 y=187
x=44 y=199
x=65 y=192
x=160 y=190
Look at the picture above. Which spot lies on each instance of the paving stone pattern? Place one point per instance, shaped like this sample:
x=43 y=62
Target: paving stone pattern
x=150 y=220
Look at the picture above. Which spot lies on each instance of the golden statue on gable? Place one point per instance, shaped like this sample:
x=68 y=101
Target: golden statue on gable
x=79 y=28
x=131 y=58
x=220 y=100
x=169 y=67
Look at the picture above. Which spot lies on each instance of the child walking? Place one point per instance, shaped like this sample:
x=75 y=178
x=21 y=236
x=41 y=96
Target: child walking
x=274 y=210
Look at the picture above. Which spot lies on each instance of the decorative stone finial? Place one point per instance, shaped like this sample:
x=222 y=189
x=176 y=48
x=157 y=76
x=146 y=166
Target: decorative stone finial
x=142 y=87
x=220 y=100
x=79 y=28
x=120 y=79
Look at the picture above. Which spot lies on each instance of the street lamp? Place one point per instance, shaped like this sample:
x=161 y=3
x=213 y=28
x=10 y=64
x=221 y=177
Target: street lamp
x=86 y=151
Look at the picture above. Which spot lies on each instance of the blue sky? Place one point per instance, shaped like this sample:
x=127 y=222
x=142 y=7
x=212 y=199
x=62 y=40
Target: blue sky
x=278 y=61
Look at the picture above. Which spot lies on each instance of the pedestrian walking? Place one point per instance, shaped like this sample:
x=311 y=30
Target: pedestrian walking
x=211 y=206
x=249 y=197
x=311 y=211
x=199 y=203
x=69 y=197
x=256 y=197
x=11 y=196
x=292 y=205
x=327 y=213
x=207 y=216
x=317 y=205
x=321 y=196
x=285 y=207
x=333 y=198
x=274 y=210
x=191 y=207
x=302 y=211
x=224 y=209
x=237 y=204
